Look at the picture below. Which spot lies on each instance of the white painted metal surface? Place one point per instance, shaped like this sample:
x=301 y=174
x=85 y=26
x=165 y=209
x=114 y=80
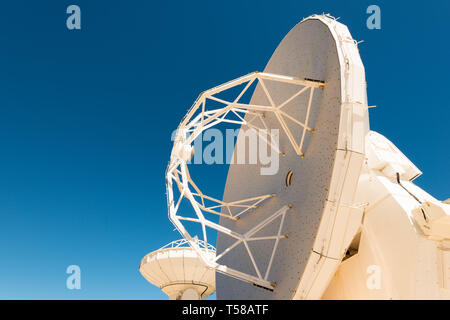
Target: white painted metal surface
x=325 y=179
x=403 y=243
x=178 y=270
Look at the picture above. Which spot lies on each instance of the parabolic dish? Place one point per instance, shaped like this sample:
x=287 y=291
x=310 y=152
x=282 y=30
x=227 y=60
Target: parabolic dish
x=322 y=182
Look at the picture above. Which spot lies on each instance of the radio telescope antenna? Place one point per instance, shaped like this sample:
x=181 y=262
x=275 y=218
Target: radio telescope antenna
x=306 y=87
x=179 y=272
x=341 y=201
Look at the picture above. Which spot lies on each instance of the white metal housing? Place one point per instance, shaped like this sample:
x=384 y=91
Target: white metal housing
x=402 y=248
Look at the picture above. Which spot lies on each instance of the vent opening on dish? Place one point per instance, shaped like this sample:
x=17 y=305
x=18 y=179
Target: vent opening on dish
x=289 y=177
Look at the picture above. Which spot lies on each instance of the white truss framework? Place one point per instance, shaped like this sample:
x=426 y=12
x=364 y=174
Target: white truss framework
x=197 y=120
x=182 y=243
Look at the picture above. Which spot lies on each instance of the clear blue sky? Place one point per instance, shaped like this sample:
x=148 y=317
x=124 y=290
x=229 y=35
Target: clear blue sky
x=86 y=118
